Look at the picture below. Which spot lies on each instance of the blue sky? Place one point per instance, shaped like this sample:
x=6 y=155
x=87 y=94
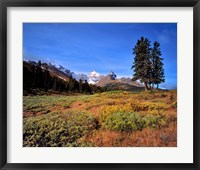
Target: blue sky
x=103 y=47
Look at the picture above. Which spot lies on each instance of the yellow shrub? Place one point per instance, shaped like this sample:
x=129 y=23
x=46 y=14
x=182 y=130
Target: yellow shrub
x=142 y=106
x=105 y=111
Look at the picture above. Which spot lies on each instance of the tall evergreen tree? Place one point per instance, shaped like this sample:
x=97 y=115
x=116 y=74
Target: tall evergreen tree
x=39 y=75
x=142 y=62
x=157 y=65
x=80 y=86
x=54 y=83
x=71 y=83
x=47 y=78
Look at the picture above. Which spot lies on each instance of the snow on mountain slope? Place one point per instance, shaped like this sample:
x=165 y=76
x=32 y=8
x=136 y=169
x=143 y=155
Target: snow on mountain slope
x=66 y=71
x=93 y=77
x=78 y=77
x=113 y=75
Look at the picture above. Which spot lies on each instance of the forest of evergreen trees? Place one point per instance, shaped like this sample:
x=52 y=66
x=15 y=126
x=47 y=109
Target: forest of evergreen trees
x=34 y=77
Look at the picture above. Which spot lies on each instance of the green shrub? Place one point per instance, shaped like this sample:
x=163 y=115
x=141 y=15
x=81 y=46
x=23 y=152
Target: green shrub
x=124 y=122
x=174 y=105
x=120 y=121
x=56 y=129
x=171 y=97
x=163 y=95
x=155 y=121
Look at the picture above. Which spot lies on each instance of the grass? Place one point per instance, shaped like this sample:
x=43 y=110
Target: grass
x=115 y=118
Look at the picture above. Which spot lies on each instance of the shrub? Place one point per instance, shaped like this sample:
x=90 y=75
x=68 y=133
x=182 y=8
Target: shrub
x=56 y=129
x=120 y=121
x=171 y=97
x=144 y=106
x=108 y=110
x=155 y=121
x=163 y=95
x=124 y=122
x=174 y=105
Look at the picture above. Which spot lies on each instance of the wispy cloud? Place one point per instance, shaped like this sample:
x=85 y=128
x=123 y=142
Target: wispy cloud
x=166 y=36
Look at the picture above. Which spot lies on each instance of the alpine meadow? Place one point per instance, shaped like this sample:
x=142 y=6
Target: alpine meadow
x=99 y=85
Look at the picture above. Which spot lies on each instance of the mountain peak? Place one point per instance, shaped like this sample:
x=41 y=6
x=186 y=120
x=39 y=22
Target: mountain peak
x=112 y=75
x=94 y=73
x=93 y=77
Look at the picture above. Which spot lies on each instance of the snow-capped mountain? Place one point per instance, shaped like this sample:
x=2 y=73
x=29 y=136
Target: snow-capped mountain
x=110 y=81
x=113 y=76
x=78 y=77
x=64 y=70
x=93 y=77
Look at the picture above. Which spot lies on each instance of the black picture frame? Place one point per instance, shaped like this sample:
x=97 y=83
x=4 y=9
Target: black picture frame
x=98 y=3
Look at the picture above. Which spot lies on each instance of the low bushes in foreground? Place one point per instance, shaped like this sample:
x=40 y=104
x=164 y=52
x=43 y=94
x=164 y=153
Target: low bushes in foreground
x=118 y=118
x=133 y=121
x=55 y=129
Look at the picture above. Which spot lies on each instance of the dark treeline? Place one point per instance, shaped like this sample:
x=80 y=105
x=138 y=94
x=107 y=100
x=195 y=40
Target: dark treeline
x=34 y=77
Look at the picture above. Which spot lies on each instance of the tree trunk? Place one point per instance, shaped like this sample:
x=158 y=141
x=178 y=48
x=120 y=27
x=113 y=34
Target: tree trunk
x=152 y=86
x=157 y=86
x=146 y=86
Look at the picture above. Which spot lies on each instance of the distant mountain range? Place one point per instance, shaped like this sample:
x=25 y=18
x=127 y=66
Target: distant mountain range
x=110 y=81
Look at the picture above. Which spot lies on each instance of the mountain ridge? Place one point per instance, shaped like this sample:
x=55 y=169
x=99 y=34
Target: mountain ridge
x=109 y=81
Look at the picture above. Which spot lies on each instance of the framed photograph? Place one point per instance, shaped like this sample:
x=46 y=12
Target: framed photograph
x=99 y=84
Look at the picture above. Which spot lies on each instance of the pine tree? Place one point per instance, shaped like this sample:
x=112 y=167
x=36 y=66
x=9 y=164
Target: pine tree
x=86 y=87
x=71 y=83
x=80 y=86
x=46 y=79
x=157 y=65
x=39 y=75
x=54 y=83
x=142 y=63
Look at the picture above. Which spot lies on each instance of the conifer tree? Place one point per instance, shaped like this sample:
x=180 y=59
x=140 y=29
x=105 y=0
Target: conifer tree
x=39 y=75
x=46 y=79
x=71 y=83
x=142 y=62
x=157 y=65
x=80 y=86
